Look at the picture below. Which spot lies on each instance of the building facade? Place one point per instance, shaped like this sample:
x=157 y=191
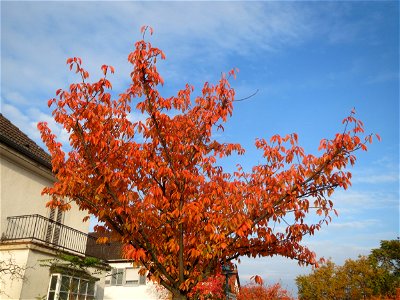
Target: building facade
x=125 y=281
x=32 y=233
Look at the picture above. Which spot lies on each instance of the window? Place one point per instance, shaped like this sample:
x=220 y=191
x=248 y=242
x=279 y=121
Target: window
x=142 y=279
x=66 y=287
x=125 y=277
x=117 y=276
x=131 y=276
x=53 y=229
x=52 y=287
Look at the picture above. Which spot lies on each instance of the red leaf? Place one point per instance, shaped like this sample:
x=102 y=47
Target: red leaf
x=257 y=279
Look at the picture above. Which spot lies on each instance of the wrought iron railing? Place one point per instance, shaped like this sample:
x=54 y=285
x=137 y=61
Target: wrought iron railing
x=45 y=231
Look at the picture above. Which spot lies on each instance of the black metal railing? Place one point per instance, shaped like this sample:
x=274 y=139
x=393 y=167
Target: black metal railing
x=45 y=231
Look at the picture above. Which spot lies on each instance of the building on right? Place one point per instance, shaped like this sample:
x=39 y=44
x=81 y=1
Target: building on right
x=125 y=280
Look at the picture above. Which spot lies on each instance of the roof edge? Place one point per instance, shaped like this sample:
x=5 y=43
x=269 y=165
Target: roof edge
x=25 y=152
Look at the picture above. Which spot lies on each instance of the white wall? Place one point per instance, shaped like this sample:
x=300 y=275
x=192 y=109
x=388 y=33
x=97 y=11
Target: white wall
x=141 y=292
x=36 y=278
x=22 y=182
x=10 y=288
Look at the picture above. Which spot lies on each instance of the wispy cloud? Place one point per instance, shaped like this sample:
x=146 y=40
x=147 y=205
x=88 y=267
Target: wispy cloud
x=383 y=77
x=362 y=224
x=35 y=67
x=377 y=178
x=27 y=122
x=365 y=199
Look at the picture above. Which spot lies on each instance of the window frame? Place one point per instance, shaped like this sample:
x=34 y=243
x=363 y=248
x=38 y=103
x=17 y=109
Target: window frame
x=117 y=277
x=121 y=273
x=70 y=291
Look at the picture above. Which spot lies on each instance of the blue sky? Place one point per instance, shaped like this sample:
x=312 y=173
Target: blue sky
x=311 y=62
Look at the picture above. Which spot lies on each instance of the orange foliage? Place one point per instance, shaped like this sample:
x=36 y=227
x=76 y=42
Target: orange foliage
x=157 y=185
x=211 y=288
x=262 y=292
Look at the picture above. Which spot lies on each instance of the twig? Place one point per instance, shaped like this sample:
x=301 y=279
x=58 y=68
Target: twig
x=246 y=98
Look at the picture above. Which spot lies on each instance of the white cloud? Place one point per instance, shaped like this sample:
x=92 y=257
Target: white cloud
x=12 y=113
x=340 y=249
x=72 y=29
x=383 y=170
x=16 y=98
x=377 y=178
x=61 y=134
x=136 y=116
x=365 y=199
x=272 y=270
x=197 y=38
x=355 y=224
x=38 y=37
x=27 y=122
x=384 y=77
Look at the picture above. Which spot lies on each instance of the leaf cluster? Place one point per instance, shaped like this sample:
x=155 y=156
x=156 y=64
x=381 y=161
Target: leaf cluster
x=256 y=291
x=71 y=263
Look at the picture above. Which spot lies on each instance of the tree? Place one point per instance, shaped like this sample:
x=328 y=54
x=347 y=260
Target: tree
x=255 y=291
x=321 y=284
x=363 y=278
x=356 y=279
x=359 y=278
x=387 y=259
x=158 y=186
x=388 y=256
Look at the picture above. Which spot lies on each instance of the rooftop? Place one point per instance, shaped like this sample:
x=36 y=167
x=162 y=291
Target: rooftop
x=109 y=251
x=13 y=137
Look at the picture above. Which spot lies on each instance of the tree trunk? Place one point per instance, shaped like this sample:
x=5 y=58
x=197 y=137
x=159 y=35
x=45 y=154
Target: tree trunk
x=179 y=297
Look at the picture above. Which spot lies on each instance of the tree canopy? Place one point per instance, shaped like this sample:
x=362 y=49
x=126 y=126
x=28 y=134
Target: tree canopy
x=368 y=277
x=158 y=186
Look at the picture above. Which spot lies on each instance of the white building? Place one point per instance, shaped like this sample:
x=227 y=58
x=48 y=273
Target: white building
x=30 y=232
x=124 y=281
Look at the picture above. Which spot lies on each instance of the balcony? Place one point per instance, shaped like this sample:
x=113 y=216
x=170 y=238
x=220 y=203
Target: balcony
x=43 y=231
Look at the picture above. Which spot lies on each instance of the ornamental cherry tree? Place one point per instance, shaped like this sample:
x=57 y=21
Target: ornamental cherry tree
x=157 y=185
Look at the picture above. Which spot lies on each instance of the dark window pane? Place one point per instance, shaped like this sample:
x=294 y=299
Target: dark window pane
x=142 y=279
x=53 y=283
x=75 y=285
x=63 y=296
x=51 y=296
x=131 y=282
x=65 y=280
x=90 y=290
x=83 y=287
